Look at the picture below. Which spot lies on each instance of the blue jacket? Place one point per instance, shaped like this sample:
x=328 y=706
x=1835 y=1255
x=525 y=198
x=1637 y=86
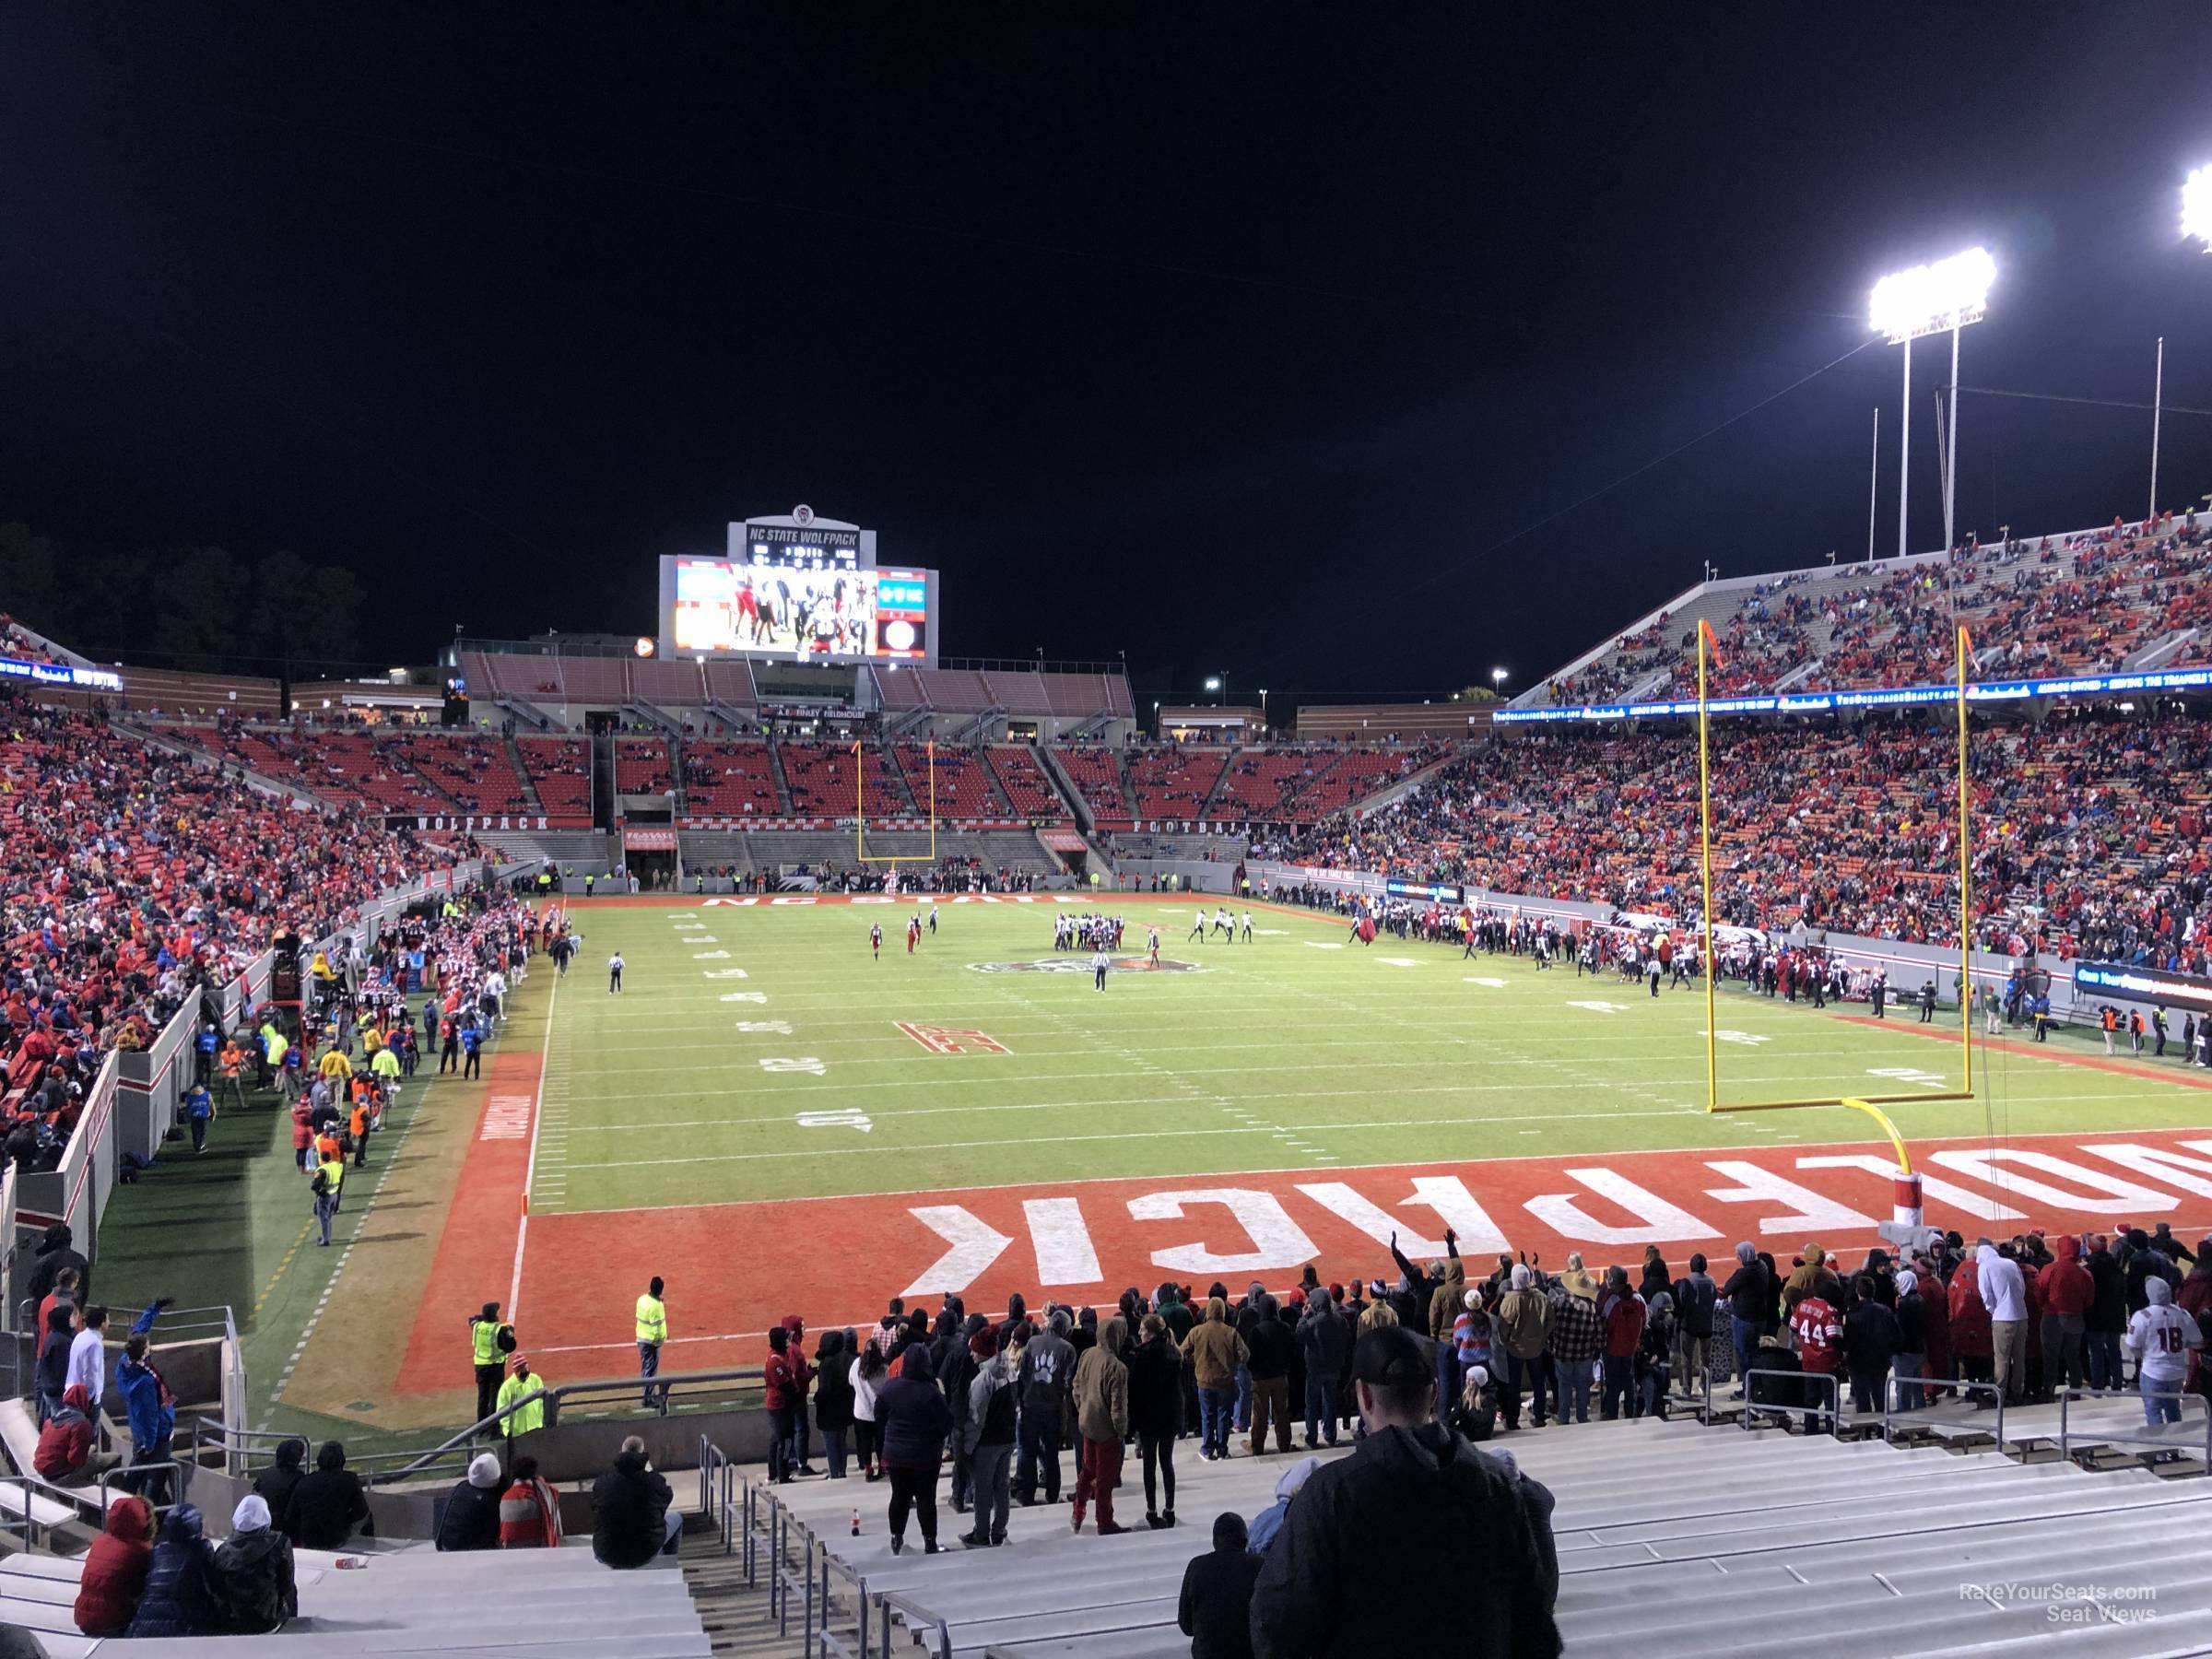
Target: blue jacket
x=198 y=1105
x=152 y=1423
x=179 y=1600
x=471 y=1038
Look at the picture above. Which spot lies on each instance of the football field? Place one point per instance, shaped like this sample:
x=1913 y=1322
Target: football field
x=777 y=1119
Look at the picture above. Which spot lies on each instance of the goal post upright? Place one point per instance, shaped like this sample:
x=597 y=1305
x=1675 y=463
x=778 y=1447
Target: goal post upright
x=860 y=809
x=1966 y=930
x=1713 y=962
x=1708 y=658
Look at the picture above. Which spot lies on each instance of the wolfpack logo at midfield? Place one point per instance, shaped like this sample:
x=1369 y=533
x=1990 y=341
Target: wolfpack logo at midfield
x=1078 y=962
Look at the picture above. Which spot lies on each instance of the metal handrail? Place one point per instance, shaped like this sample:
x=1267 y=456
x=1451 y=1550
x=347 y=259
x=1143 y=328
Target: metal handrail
x=134 y=1472
x=1929 y=1387
x=2148 y=1437
x=553 y=1398
x=33 y=1485
x=1835 y=1395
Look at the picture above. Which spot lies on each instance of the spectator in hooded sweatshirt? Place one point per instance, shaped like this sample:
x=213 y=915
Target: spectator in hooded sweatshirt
x=2106 y=1316
x=115 y=1568
x=833 y=1397
x=989 y=1436
x=251 y=1572
x=1749 y=1294
x=1269 y=1521
x=1269 y=1347
x=1215 y=1609
x=1520 y=1326
x=51 y=1374
x=471 y=1517
x=1411 y=1492
x=2066 y=1290
x=1217 y=1356
x=1912 y=1312
x=911 y=1414
x=2160 y=1337
x=64 y=1446
x=1048 y=1361
x=327 y=1505
x=2005 y=1294
x=1622 y=1313
x=1101 y=1392
x=1324 y=1341
x=275 y=1484
x=1697 y=1298
x=179 y=1599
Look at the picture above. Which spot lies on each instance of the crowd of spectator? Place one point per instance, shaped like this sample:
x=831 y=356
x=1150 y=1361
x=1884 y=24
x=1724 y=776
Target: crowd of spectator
x=2056 y=606
x=2089 y=830
x=131 y=881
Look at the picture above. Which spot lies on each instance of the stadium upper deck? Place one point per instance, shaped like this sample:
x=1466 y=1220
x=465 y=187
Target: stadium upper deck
x=2128 y=596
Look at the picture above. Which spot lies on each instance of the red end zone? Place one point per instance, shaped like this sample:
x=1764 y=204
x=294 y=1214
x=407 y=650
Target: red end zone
x=734 y=1269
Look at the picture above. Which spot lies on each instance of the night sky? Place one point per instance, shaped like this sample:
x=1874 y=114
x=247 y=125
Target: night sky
x=1238 y=339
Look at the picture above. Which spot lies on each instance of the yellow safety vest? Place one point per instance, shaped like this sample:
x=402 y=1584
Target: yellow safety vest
x=483 y=1341
x=334 y=1175
x=522 y=1419
x=652 y=1319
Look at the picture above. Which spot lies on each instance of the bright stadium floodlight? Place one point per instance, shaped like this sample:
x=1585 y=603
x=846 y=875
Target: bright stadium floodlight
x=1498 y=677
x=1923 y=300
x=1213 y=683
x=2196 y=207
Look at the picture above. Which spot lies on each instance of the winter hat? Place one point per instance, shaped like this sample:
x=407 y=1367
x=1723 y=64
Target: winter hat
x=251 y=1516
x=1521 y=1275
x=483 y=1473
x=1745 y=1254
x=1473 y=1299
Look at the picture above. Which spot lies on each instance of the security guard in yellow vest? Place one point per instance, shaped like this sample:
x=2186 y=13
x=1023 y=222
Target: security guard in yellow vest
x=521 y=1419
x=329 y=1177
x=652 y=1330
x=490 y=1340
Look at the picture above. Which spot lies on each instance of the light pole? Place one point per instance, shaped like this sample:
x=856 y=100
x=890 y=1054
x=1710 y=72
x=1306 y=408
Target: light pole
x=1213 y=684
x=1497 y=678
x=1923 y=300
x=1262 y=711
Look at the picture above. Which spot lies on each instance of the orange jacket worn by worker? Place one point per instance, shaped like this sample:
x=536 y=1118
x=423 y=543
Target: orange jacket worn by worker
x=359 y=1123
x=233 y=1062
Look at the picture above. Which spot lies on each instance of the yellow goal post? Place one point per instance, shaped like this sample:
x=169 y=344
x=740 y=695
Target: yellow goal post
x=1709 y=658
x=860 y=809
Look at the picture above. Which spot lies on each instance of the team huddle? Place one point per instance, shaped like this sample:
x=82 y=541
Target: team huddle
x=1086 y=932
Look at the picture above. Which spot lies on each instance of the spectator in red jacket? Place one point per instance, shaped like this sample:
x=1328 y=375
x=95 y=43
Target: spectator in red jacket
x=1972 y=1351
x=1621 y=1311
x=66 y=1443
x=784 y=1401
x=114 y=1575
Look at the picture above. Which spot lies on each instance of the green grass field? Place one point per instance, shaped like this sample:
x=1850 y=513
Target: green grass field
x=1297 y=1051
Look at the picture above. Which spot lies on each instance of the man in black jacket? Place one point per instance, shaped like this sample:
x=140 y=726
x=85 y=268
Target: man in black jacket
x=2105 y=1317
x=1749 y=1294
x=1271 y=1343
x=327 y=1505
x=632 y=1514
x=471 y=1519
x=1215 y=1610
x=1413 y=1493
x=1324 y=1338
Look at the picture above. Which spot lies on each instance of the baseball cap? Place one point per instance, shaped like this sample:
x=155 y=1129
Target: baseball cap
x=1392 y=1356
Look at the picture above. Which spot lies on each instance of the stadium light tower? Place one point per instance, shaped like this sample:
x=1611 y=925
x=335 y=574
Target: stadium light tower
x=2196 y=207
x=1923 y=300
x=1497 y=678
